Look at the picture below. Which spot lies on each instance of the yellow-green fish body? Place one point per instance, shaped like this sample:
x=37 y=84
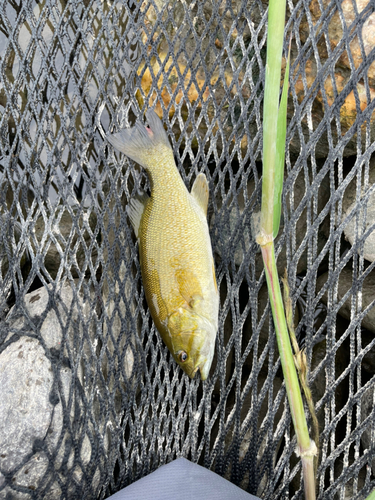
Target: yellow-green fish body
x=175 y=249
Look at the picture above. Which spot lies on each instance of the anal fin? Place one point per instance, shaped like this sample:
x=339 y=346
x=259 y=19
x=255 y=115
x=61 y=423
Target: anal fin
x=135 y=210
x=200 y=192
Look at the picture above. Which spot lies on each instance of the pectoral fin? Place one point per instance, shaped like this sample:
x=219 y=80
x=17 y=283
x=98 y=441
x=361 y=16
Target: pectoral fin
x=135 y=210
x=189 y=287
x=200 y=192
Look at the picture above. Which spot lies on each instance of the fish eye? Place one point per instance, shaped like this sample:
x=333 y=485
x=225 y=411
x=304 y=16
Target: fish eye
x=182 y=356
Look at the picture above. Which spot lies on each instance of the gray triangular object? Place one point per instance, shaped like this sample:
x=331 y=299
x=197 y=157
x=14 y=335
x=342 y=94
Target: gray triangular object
x=182 y=480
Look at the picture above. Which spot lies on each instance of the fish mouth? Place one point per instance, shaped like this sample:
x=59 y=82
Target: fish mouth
x=203 y=369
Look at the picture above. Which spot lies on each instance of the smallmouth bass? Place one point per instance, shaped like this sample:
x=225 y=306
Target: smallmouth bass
x=175 y=251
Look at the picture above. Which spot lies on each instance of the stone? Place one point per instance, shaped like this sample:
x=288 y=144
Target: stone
x=69 y=251
x=249 y=439
x=10 y=232
x=119 y=294
x=367 y=407
x=368 y=361
x=36 y=375
x=205 y=87
x=318 y=378
x=66 y=313
x=210 y=85
x=345 y=283
x=26 y=381
x=343 y=72
x=233 y=230
x=30 y=417
x=366 y=213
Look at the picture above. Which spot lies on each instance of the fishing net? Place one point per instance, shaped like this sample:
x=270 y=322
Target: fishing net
x=91 y=399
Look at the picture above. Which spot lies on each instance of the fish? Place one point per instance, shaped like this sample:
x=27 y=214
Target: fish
x=176 y=259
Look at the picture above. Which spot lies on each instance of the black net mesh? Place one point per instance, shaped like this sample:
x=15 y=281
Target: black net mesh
x=91 y=399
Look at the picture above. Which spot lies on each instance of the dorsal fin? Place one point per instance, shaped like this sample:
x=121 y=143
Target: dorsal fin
x=135 y=210
x=200 y=192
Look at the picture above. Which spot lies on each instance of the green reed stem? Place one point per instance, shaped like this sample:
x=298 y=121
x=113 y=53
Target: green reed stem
x=371 y=496
x=274 y=117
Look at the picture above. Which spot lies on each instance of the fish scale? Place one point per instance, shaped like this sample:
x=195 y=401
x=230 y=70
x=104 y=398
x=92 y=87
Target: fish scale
x=175 y=249
x=172 y=243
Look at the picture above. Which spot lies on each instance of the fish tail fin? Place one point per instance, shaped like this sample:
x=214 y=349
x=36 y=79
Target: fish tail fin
x=137 y=142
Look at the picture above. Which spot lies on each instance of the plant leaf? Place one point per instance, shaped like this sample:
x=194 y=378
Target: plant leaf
x=280 y=150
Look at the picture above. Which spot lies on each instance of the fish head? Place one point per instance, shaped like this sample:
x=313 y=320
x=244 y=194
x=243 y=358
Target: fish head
x=193 y=342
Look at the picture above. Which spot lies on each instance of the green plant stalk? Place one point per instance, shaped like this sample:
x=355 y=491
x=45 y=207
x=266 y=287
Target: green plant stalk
x=275 y=37
x=272 y=153
x=371 y=496
x=280 y=150
x=306 y=447
x=300 y=360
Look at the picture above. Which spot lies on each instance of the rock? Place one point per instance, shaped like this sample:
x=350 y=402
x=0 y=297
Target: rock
x=119 y=293
x=49 y=420
x=367 y=408
x=251 y=434
x=345 y=283
x=233 y=234
x=30 y=418
x=191 y=93
x=295 y=228
x=10 y=232
x=326 y=97
x=26 y=381
x=368 y=362
x=318 y=378
x=69 y=251
x=67 y=248
x=231 y=228
x=66 y=314
x=365 y=210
